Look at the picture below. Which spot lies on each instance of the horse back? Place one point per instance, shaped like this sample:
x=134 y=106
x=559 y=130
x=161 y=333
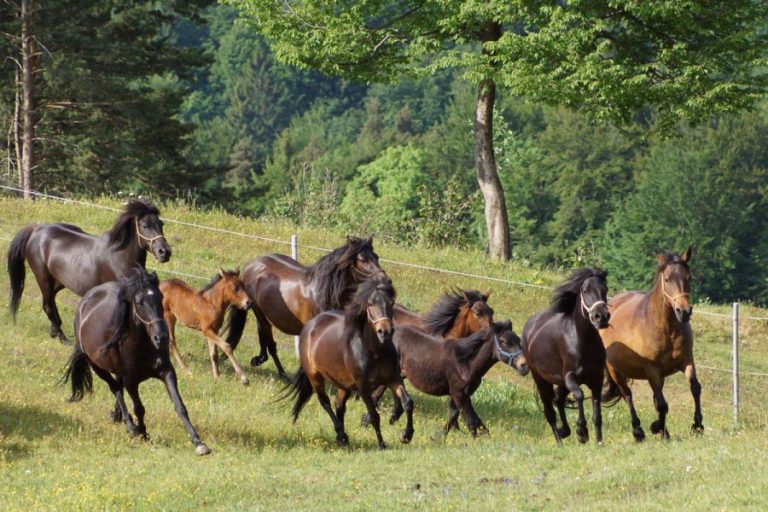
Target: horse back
x=423 y=359
x=324 y=351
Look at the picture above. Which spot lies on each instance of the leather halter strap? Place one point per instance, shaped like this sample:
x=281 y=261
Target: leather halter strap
x=587 y=310
x=140 y=236
x=373 y=320
x=503 y=354
x=146 y=323
x=669 y=299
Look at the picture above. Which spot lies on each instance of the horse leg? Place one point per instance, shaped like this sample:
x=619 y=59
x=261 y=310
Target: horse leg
x=365 y=420
x=325 y=402
x=169 y=379
x=342 y=395
x=227 y=349
x=657 y=385
x=138 y=409
x=266 y=342
x=453 y=417
x=582 y=434
x=626 y=393
x=547 y=394
x=404 y=399
x=116 y=387
x=49 y=288
x=597 y=411
x=214 y=357
x=171 y=321
x=365 y=394
x=561 y=394
x=464 y=403
x=690 y=374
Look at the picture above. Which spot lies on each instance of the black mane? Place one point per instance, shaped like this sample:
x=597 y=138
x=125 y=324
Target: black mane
x=123 y=230
x=441 y=317
x=567 y=294
x=334 y=275
x=356 y=312
x=129 y=285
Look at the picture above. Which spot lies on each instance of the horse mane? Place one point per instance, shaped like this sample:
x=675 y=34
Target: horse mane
x=122 y=231
x=128 y=286
x=441 y=317
x=334 y=276
x=567 y=294
x=218 y=277
x=355 y=314
x=467 y=348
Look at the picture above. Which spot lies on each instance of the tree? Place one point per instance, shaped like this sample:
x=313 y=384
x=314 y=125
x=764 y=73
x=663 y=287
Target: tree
x=609 y=58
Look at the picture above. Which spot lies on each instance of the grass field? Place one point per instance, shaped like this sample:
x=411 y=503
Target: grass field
x=62 y=456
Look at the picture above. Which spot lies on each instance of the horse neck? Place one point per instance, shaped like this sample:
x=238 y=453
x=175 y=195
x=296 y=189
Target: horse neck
x=483 y=360
x=460 y=327
x=660 y=311
x=215 y=297
x=130 y=254
x=584 y=327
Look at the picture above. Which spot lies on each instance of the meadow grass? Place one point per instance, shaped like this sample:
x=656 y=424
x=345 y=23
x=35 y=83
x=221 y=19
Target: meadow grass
x=57 y=455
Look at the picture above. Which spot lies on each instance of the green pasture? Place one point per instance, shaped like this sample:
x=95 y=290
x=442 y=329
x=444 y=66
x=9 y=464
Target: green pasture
x=61 y=456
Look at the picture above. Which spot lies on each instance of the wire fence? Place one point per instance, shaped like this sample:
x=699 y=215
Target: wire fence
x=294 y=244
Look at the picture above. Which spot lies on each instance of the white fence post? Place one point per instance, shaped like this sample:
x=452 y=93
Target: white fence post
x=295 y=256
x=736 y=363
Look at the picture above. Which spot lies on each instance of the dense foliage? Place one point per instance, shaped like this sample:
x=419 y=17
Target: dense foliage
x=177 y=98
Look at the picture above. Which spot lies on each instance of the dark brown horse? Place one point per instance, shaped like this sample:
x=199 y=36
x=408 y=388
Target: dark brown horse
x=563 y=349
x=457 y=314
x=286 y=294
x=64 y=256
x=122 y=336
x=455 y=367
x=353 y=350
x=204 y=311
x=650 y=338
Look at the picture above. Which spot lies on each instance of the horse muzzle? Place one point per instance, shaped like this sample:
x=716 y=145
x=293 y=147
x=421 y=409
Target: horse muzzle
x=521 y=365
x=600 y=319
x=683 y=315
x=161 y=251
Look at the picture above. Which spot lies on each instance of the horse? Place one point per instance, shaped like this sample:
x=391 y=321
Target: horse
x=204 y=311
x=286 y=294
x=122 y=337
x=650 y=338
x=563 y=348
x=64 y=256
x=455 y=367
x=456 y=314
x=353 y=350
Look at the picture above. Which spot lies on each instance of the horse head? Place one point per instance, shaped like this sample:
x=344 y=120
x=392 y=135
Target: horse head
x=509 y=348
x=376 y=297
x=594 y=298
x=480 y=313
x=360 y=257
x=142 y=292
x=674 y=277
x=233 y=288
x=141 y=221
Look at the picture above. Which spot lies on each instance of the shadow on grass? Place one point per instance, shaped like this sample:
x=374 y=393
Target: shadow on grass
x=31 y=424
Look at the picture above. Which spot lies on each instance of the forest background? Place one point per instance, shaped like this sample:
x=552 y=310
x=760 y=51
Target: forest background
x=177 y=100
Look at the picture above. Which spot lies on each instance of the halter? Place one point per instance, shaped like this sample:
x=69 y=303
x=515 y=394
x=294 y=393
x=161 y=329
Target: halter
x=589 y=309
x=669 y=297
x=374 y=321
x=510 y=356
x=146 y=323
x=139 y=236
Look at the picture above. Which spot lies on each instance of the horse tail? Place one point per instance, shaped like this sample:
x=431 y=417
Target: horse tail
x=299 y=389
x=611 y=392
x=16 y=270
x=79 y=373
x=235 y=325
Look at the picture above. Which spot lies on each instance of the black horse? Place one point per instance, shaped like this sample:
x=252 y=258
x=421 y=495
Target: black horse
x=563 y=348
x=286 y=294
x=122 y=336
x=64 y=256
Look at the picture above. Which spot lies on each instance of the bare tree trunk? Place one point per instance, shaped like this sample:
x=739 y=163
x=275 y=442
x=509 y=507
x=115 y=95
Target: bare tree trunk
x=28 y=103
x=15 y=128
x=496 y=218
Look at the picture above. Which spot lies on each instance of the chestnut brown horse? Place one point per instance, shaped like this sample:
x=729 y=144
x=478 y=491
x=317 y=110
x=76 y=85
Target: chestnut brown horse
x=286 y=294
x=455 y=367
x=204 y=311
x=456 y=314
x=353 y=350
x=563 y=348
x=650 y=338
x=122 y=337
x=64 y=256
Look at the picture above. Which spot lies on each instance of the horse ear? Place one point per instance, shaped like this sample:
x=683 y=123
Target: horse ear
x=487 y=294
x=661 y=258
x=687 y=255
x=237 y=271
x=369 y=241
x=466 y=296
x=349 y=240
x=222 y=272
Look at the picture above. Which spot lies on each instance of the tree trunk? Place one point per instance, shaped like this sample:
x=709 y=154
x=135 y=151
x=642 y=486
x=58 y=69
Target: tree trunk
x=496 y=218
x=28 y=104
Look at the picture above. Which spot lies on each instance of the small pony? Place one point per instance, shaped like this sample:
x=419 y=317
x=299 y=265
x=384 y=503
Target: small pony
x=204 y=311
x=353 y=350
x=563 y=348
x=122 y=336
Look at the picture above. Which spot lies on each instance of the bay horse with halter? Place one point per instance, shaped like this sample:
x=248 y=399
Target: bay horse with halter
x=563 y=348
x=64 y=256
x=650 y=338
x=457 y=314
x=122 y=337
x=353 y=350
x=455 y=367
x=286 y=294
x=204 y=311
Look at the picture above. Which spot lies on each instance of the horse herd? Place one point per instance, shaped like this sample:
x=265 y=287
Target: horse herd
x=352 y=333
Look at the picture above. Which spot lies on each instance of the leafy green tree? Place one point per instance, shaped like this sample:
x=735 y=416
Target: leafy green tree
x=609 y=58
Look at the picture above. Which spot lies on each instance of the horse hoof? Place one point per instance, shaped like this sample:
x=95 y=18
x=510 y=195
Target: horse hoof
x=342 y=439
x=201 y=449
x=244 y=380
x=657 y=427
x=365 y=420
x=258 y=360
x=697 y=429
x=382 y=445
x=116 y=416
x=564 y=432
x=582 y=436
x=639 y=435
x=393 y=419
x=406 y=436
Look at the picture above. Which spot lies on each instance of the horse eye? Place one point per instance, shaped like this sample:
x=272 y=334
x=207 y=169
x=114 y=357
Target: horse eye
x=236 y=288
